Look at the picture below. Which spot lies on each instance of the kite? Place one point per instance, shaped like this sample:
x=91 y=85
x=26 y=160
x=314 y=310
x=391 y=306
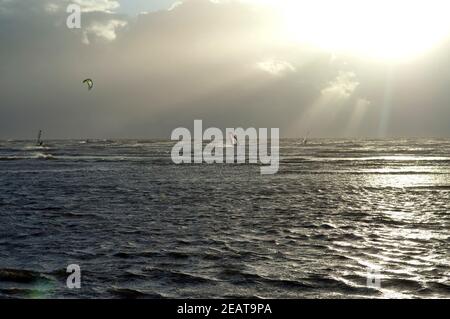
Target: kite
x=89 y=83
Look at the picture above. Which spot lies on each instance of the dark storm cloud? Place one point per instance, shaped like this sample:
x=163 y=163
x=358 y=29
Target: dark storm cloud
x=223 y=63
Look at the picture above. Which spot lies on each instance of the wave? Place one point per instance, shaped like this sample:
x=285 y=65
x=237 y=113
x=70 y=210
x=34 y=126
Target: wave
x=37 y=155
x=35 y=148
x=310 y=171
x=176 y=276
x=400 y=158
x=129 y=293
x=19 y=275
x=402 y=284
x=43 y=156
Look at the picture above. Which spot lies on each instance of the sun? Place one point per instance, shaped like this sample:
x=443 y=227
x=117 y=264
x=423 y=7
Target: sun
x=386 y=29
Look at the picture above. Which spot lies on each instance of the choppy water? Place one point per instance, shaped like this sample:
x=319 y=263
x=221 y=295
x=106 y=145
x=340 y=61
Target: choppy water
x=140 y=226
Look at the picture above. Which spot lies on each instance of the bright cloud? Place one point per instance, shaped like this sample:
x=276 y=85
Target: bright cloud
x=175 y=5
x=342 y=86
x=276 y=67
x=97 y=5
x=106 y=31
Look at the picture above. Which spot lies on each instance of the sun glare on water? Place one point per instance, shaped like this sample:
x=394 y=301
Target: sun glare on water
x=386 y=29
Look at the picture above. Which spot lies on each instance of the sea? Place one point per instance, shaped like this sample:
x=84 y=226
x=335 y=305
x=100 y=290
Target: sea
x=341 y=219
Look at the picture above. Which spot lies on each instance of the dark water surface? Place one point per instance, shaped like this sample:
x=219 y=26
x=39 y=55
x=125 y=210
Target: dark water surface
x=140 y=226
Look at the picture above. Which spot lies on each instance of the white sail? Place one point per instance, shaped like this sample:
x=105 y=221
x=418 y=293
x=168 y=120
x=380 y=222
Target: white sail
x=305 y=139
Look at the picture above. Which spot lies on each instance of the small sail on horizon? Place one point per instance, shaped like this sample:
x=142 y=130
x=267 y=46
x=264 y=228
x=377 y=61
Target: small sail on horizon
x=233 y=139
x=305 y=139
x=39 y=142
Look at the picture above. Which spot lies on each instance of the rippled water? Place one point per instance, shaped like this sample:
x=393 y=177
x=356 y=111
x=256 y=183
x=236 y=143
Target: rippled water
x=140 y=226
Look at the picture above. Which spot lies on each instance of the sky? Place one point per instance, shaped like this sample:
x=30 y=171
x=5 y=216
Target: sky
x=343 y=69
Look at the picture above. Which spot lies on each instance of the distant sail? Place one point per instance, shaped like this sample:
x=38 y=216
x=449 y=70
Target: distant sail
x=233 y=139
x=305 y=139
x=39 y=142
